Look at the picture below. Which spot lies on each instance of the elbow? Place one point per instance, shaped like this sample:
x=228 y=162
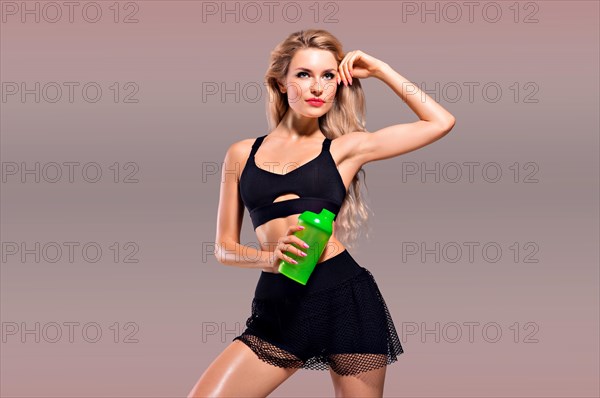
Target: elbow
x=451 y=122
x=218 y=252
x=221 y=253
x=447 y=126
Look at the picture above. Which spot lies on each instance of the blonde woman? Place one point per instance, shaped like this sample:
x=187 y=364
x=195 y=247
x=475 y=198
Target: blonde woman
x=310 y=160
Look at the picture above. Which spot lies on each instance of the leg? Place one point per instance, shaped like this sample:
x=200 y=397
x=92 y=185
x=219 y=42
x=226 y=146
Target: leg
x=238 y=372
x=366 y=384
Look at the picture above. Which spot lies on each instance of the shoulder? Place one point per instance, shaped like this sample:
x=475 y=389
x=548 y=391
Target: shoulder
x=240 y=149
x=237 y=154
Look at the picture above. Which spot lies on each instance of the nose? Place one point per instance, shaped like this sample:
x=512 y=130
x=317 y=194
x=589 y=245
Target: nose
x=316 y=88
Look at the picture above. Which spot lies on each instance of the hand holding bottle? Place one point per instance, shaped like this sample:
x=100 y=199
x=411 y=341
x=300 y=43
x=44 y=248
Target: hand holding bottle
x=284 y=244
x=319 y=227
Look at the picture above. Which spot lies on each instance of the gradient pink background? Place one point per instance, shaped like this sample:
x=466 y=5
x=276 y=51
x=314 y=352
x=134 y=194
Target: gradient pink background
x=178 y=290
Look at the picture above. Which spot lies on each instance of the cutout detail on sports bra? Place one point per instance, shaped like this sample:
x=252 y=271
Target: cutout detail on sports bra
x=285 y=197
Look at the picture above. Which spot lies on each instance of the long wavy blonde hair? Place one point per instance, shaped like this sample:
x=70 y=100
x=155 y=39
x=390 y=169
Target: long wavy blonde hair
x=346 y=115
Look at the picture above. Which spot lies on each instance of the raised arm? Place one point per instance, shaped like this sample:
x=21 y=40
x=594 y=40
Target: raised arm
x=398 y=139
x=230 y=213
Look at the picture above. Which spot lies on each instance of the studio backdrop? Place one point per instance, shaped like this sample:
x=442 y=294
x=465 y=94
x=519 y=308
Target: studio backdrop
x=115 y=120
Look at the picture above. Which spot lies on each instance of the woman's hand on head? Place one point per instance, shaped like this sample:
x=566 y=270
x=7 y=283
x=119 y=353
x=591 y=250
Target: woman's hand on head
x=358 y=64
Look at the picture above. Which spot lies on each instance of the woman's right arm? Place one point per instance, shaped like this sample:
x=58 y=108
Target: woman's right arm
x=228 y=249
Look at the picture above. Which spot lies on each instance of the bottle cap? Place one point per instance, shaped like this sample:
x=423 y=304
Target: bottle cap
x=322 y=220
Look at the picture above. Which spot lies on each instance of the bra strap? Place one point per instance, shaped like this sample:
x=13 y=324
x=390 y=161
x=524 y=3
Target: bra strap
x=326 y=144
x=256 y=144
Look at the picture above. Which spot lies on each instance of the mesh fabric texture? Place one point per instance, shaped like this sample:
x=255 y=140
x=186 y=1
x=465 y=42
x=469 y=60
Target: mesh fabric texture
x=346 y=328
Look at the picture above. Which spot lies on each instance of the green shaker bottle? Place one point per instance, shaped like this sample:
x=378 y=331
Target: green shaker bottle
x=317 y=231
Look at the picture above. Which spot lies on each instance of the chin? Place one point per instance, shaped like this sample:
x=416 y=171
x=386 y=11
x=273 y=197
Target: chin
x=316 y=114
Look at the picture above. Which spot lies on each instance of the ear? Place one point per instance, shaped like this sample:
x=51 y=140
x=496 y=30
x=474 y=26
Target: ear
x=282 y=87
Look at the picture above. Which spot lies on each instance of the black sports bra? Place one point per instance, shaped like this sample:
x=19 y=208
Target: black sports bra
x=318 y=184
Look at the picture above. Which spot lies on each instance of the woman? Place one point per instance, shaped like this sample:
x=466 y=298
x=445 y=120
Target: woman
x=338 y=320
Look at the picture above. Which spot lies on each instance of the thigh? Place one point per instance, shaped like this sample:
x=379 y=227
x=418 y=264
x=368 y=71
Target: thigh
x=365 y=384
x=238 y=371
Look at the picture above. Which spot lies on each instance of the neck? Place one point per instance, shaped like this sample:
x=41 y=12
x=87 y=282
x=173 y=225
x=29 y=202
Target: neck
x=294 y=126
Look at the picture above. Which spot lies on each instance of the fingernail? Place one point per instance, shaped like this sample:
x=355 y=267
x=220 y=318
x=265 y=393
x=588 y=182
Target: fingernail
x=305 y=245
x=303 y=254
x=301 y=227
x=295 y=262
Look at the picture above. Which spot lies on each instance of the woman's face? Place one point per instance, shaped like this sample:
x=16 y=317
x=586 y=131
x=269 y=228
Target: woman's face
x=312 y=74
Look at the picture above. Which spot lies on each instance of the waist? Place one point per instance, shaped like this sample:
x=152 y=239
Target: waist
x=327 y=274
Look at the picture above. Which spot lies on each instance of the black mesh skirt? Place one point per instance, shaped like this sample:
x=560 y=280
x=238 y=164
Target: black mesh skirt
x=338 y=320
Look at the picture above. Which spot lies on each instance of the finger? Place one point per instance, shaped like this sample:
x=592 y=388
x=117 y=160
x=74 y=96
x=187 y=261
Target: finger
x=294 y=249
x=289 y=247
x=294 y=228
x=299 y=241
x=343 y=71
x=340 y=74
x=343 y=76
x=287 y=258
x=355 y=58
x=284 y=246
x=349 y=65
x=292 y=237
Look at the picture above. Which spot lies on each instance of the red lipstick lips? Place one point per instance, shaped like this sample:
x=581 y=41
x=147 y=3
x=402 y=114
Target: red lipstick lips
x=315 y=101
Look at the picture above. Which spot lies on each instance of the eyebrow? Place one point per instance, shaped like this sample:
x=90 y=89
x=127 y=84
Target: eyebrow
x=308 y=70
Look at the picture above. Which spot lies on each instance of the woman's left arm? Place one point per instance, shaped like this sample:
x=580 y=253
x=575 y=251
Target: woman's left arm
x=435 y=121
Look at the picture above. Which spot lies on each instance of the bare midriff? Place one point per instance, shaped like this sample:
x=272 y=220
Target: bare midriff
x=269 y=232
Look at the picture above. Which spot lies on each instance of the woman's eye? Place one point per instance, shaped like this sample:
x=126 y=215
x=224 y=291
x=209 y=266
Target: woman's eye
x=331 y=75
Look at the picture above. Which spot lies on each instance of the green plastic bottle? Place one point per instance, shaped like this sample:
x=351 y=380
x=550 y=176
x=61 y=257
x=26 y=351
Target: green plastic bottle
x=317 y=231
